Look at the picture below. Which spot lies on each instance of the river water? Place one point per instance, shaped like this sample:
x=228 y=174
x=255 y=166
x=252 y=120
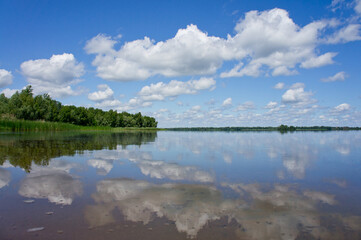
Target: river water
x=180 y=185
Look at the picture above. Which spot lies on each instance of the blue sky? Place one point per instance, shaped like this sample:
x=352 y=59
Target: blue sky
x=190 y=63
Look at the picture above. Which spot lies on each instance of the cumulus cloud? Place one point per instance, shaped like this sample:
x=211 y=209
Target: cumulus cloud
x=272 y=39
x=351 y=32
x=227 y=102
x=342 y=108
x=104 y=98
x=340 y=76
x=297 y=95
x=336 y=4
x=264 y=41
x=9 y=92
x=271 y=105
x=319 y=61
x=283 y=71
x=104 y=93
x=358 y=6
x=246 y=106
x=190 y=52
x=6 y=78
x=160 y=90
x=55 y=75
x=279 y=85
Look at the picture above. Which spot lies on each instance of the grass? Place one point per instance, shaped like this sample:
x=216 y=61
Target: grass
x=36 y=126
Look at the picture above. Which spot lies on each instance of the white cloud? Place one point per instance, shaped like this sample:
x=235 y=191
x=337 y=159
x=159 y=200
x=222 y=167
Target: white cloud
x=336 y=4
x=104 y=93
x=264 y=41
x=297 y=95
x=9 y=92
x=319 y=61
x=342 y=108
x=340 y=76
x=351 y=32
x=190 y=52
x=100 y=44
x=114 y=103
x=246 y=106
x=195 y=108
x=252 y=70
x=54 y=76
x=283 y=71
x=271 y=105
x=272 y=39
x=227 y=102
x=279 y=85
x=160 y=90
x=104 y=98
x=6 y=78
x=358 y=6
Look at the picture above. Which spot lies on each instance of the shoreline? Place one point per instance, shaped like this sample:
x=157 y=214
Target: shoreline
x=40 y=126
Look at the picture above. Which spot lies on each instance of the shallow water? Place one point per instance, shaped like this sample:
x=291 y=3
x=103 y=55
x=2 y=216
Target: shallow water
x=180 y=185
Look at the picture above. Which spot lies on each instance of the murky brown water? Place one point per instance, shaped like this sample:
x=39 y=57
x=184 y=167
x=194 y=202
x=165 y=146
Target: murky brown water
x=180 y=185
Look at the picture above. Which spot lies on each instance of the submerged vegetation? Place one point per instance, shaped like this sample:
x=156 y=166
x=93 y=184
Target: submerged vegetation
x=24 y=106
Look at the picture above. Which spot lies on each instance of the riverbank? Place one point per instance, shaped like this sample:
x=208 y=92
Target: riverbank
x=26 y=125
x=35 y=126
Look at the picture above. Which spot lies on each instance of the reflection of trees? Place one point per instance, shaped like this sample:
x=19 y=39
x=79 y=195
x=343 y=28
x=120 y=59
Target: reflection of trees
x=24 y=149
x=263 y=212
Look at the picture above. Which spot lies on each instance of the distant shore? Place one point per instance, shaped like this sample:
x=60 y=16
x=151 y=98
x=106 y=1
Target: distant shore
x=26 y=125
x=282 y=128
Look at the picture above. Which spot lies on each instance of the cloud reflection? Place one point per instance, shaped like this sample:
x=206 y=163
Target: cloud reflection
x=148 y=166
x=279 y=212
x=103 y=166
x=173 y=171
x=52 y=182
x=191 y=207
x=5 y=177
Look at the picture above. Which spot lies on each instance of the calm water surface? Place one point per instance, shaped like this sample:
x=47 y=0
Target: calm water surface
x=180 y=185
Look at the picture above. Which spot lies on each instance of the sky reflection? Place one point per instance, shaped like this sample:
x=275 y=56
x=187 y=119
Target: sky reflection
x=271 y=186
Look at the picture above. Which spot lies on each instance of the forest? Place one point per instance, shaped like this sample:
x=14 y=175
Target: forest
x=25 y=106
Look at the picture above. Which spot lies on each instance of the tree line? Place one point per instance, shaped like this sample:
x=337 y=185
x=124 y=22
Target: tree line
x=282 y=128
x=23 y=105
